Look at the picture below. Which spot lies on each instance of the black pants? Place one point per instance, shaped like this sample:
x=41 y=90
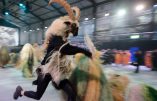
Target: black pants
x=41 y=87
x=65 y=85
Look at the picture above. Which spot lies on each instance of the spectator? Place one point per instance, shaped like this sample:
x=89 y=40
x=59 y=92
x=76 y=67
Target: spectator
x=154 y=60
x=138 y=56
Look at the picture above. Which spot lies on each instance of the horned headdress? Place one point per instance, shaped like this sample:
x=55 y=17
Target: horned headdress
x=65 y=25
x=73 y=12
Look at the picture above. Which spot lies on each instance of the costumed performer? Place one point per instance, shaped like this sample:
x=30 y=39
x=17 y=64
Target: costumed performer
x=56 y=65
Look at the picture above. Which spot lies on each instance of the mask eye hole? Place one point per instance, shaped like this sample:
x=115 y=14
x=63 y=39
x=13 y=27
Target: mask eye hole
x=67 y=23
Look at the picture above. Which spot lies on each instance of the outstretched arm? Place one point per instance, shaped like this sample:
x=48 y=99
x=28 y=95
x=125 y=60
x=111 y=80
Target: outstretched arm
x=72 y=50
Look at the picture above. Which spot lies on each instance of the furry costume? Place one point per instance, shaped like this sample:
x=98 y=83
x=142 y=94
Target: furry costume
x=56 y=64
x=38 y=52
x=140 y=93
x=89 y=80
x=13 y=58
x=4 y=56
x=88 y=77
x=27 y=60
x=123 y=90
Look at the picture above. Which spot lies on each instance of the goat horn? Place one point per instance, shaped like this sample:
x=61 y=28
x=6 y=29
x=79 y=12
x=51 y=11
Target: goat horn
x=77 y=12
x=66 y=6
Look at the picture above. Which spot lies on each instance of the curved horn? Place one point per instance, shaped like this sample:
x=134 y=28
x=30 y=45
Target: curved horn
x=77 y=12
x=66 y=7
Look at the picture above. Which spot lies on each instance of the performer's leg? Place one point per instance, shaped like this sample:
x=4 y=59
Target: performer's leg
x=66 y=86
x=41 y=87
x=137 y=68
x=39 y=74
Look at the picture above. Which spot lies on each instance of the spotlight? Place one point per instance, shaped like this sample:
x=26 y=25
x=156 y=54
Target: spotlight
x=38 y=29
x=139 y=7
x=121 y=12
x=45 y=27
x=86 y=19
x=107 y=14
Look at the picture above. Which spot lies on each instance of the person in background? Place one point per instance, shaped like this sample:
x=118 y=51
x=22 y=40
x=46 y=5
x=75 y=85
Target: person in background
x=138 y=56
x=154 y=60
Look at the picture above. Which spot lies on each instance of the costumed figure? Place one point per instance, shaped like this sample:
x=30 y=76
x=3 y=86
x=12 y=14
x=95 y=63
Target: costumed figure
x=27 y=60
x=4 y=56
x=124 y=90
x=88 y=77
x=38 y=52
x=56 y=66
x=13 y=58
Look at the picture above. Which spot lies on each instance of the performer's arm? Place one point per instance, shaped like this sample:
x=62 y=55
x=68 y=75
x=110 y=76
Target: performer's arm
x=72 y=50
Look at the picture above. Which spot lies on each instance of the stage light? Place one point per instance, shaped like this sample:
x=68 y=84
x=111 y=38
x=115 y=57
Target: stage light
x=121 y=12
x=139 y=7
x=38 y=29
x=107 y=14
x=86 y=19
x=134 y=36
x=45 y=27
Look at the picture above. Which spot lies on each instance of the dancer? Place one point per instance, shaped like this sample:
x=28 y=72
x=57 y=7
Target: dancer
x=56 y=65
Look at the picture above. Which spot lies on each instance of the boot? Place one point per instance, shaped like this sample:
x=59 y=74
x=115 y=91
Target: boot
x=17 y=93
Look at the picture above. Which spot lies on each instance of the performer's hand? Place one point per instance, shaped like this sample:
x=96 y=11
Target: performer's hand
x=38 y=71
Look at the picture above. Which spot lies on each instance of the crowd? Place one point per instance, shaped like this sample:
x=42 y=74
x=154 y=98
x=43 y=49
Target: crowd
x=125 y=57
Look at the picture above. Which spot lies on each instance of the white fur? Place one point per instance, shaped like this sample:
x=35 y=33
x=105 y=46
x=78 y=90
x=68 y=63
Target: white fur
x=58 y=27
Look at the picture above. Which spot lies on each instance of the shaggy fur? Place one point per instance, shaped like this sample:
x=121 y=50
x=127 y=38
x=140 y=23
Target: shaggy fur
x=27 y=60
x=89 y=80
x=4 y=56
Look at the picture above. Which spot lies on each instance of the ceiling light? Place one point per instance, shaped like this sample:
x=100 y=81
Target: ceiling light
x=155 y=5
x=93 y=18
x=25 y=31
x=6 y=13
x=45 y=27
x=38 y=29
x=139 y=7
x=86 y=19
x=134 y=36
x=107 y=14
x=121 y=12
x=30 y=30
x=21 y=5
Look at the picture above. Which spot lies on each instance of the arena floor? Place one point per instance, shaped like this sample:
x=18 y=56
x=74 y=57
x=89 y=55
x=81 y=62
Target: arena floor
x=11 y=77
